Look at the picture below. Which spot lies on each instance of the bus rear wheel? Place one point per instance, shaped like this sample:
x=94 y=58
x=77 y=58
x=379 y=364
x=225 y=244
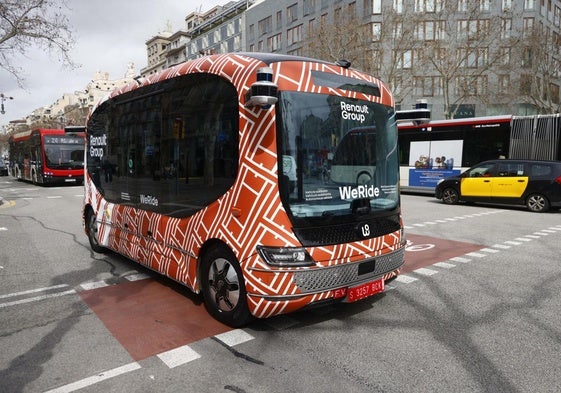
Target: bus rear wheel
x=450 y=196
x=91 y=230
x=223 y=287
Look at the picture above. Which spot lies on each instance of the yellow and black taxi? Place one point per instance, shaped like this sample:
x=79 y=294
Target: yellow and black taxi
x=536 y=184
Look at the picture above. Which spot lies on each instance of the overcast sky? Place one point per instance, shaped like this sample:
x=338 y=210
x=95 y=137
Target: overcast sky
x=109 y=34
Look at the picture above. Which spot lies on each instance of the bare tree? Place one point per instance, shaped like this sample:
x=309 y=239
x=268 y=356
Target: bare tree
x=378 y=48
x=28 y=23
x=392 y=46
x=466 y=52
x=539 y=62
x=341 y=37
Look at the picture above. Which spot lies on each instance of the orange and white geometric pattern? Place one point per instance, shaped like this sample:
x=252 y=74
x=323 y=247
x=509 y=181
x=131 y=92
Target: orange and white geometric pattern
x=251 y=212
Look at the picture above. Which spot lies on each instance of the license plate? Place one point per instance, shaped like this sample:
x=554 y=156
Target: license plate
x=365 y=290
x=70 y=180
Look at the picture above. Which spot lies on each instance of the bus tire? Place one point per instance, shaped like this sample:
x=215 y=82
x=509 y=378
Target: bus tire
x=91 y=230
x=223 y=287
x=450 y=196
x=537 y=203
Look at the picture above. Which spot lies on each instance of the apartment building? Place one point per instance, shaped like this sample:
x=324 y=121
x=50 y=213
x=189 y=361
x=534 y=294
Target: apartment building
x=464 y=58
x=220 y=30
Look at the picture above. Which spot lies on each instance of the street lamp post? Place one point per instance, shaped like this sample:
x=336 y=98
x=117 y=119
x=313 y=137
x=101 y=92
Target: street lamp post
x=2 y=99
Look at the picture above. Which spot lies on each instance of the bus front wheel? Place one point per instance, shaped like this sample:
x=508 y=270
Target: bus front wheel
x=91 y=230
x=223 y=287
x=450 y=196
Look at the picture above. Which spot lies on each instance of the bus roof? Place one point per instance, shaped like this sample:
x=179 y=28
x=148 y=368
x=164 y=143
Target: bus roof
x=217 y=63
x=41 y=131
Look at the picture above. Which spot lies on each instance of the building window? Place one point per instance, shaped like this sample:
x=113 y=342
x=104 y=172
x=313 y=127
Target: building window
x=504 y=84
x=404 y=60
x=294 y=35
x=397 y=30
x=295 y=52
x=309 y=7
x=376 y=31
x=506 y=28
x=377 y=7
x=529 y=5
x=425 y=6
x=292 y=13
x=473 y=29
x=526 y=59
x=398 y=6
x=428 y=86
x=473 y=57
x=528 y=27
x=440 y=33
x=484 y=5
x=505 y=56
x=425 y=30
x=265 y=26
x=279 y=19
x=274 y=42
x=507 y=5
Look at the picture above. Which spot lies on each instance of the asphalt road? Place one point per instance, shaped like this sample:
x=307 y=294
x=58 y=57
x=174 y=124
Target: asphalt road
x=476 y=310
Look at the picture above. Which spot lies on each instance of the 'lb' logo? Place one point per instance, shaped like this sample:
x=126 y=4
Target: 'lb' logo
x=365 y=229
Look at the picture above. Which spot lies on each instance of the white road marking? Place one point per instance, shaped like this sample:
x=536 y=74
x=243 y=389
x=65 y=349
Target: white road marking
x=501 y=246
x=87 y=286
x=234 y=337
x=137 y=277
x=33 y=291
x=489 y=250
x=96 y=378
x=445 y=265
x=178 y=356
x=37 y=298
x=405 y=279
x=460 y=259
x=425 y=272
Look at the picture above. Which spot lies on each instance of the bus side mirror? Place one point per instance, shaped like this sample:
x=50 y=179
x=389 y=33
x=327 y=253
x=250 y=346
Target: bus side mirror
x=263 y=92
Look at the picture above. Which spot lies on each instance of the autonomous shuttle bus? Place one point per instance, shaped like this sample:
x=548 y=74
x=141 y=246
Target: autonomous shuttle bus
x=207 y=173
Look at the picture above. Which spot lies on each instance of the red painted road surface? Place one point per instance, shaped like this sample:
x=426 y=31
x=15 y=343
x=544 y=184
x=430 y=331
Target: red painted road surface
x=151 y=316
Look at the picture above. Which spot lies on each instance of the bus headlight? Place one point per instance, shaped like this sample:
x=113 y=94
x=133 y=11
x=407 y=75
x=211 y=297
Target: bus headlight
x=285 y=256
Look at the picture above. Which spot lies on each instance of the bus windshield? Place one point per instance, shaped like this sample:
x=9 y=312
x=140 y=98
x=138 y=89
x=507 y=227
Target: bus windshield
x=338 y=156
x=64 y=151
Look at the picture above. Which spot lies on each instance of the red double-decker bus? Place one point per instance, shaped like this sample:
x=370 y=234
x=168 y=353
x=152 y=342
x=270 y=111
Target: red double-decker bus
x=46 y=156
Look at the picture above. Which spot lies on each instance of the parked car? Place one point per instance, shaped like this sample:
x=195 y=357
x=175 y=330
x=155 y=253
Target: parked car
x=3 y=168
x=536 y=184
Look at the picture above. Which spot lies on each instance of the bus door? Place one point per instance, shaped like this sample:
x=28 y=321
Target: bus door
x=511 y=181
x=477 y=182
